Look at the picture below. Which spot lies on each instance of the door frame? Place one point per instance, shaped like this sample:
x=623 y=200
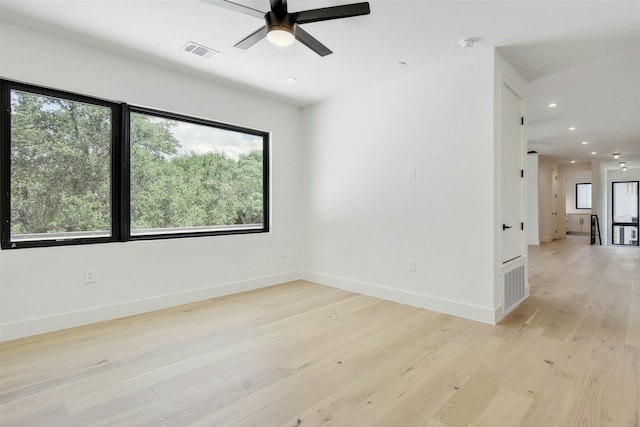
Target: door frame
x=521 y=226
x=623 y=224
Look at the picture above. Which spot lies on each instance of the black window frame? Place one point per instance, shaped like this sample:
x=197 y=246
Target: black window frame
x=120 y=169
x=198 y=121
x=583 y=183
x=6 y=87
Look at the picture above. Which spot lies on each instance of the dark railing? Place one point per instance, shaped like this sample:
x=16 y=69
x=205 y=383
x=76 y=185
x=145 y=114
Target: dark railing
x=595 y=230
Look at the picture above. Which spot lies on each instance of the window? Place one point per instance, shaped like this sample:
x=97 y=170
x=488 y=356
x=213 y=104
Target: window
x=67 y=161
x=583 y=196
x=57 y=165
x=190 y=176
x=625 y=207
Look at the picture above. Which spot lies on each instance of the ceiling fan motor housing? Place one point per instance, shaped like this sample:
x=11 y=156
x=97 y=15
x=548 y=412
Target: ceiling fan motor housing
x=281 y=23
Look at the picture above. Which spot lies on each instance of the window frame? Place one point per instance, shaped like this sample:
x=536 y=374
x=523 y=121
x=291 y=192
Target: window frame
x=615 y=223
x=577 y=192
x=120 y=169
x=203 y=122
x=5 y=165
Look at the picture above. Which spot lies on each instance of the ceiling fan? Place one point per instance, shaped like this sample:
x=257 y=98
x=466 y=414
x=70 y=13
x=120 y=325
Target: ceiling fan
x=282 y=27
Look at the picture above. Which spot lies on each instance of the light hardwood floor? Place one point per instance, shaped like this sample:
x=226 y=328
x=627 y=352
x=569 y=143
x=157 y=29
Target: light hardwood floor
x=301 y=354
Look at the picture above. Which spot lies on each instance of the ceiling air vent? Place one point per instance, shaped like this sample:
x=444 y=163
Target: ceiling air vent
x=198 y=49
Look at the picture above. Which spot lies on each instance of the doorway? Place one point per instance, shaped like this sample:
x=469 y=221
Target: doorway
x=511 y=181
x=555 y=204
x=625 y=206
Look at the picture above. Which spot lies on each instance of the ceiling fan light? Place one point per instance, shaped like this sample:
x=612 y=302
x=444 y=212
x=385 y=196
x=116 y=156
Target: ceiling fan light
x=280 y=36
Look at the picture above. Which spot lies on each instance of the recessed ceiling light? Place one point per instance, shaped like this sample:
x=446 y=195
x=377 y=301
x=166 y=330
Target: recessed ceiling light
x=290 y=80
x=402 y=64
x=572 y=128
x=573 y=161
x=624 y=169
x=553 y=105
x=616 y=156
x=593 y=152
x=622 y=164
x=585 y=142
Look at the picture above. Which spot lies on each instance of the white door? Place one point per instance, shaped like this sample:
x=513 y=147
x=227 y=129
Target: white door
x=511 y=181
x=555 y=223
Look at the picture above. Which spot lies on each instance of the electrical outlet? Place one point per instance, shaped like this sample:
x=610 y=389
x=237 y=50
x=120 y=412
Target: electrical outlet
x=412 y=175
x=283 y=252
x=412 y=265
x=89 y=276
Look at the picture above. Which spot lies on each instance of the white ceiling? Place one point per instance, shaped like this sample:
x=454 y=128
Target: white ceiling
x=584 y=55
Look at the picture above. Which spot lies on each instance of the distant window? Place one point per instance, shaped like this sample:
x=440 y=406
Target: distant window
x=583 y=196
x=625 y=205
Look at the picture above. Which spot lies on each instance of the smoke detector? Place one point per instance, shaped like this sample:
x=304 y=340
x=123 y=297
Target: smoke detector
x=467 y=43
x=200 y=50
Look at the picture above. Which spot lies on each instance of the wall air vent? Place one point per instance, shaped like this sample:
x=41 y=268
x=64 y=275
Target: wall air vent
x=198 y=49
x=514 y=288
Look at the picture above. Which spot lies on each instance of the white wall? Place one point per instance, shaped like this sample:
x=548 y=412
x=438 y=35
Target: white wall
x=573 y=176
x=545 y=198
x=42 y=289
x=533 y=227
x=599 y=196
x=365 y=219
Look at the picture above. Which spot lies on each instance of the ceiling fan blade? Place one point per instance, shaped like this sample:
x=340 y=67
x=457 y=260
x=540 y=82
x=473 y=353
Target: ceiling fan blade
x=235 y=7
x=311 y=42
x=334 y=12
x=279 y=7
x=252 y=38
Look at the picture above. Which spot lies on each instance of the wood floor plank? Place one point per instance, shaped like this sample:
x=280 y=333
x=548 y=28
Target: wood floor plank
x=567 y=316
x=552 y=404
x=532 y=369
x=506 y=408
x=422 y=405
x=333 y=372
x=629 y=409
x=377 y=401
x=194 y=405
x=633 y=323
x=471 y=399
x=597 y=403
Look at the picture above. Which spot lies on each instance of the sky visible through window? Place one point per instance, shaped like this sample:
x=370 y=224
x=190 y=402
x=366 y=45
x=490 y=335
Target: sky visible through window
x=199 y=139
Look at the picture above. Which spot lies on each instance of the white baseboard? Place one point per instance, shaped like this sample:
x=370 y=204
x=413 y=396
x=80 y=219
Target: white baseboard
x=480 y=314
x=546 y=239
x=35 y=326
x=28 y=327
x=534 y=242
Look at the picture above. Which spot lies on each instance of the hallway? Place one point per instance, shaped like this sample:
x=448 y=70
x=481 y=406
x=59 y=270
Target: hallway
x=587 y=299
